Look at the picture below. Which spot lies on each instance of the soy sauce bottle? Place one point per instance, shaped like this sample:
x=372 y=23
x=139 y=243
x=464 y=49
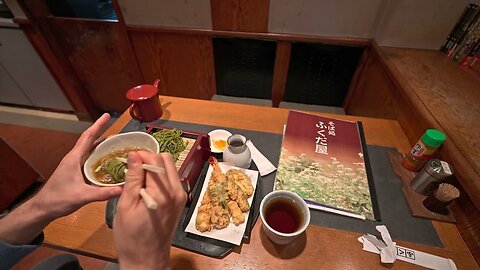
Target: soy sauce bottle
x=423 y=150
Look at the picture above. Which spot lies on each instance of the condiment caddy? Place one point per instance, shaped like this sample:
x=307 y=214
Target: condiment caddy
x=415 y=200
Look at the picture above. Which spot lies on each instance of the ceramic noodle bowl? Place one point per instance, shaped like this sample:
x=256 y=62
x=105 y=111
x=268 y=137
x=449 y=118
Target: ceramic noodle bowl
x=237 y=152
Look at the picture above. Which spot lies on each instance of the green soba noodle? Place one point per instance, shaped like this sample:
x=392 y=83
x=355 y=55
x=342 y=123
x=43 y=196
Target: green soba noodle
x=116 y=169
x=170 y=141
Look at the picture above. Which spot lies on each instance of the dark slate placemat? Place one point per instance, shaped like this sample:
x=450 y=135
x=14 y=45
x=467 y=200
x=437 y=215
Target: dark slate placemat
x=393 y=208
x=267 y=143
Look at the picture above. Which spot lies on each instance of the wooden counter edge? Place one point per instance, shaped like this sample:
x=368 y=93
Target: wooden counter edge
x=450 y=152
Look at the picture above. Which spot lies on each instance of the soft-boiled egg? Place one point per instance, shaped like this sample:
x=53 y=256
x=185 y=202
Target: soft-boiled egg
x=218 y=140
x=220 y=144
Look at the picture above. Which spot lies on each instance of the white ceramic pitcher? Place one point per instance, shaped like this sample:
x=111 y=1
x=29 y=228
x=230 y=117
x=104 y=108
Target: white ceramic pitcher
x=237 y=152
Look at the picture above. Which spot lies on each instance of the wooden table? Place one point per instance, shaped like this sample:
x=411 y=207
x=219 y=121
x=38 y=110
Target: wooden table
x=85 y=231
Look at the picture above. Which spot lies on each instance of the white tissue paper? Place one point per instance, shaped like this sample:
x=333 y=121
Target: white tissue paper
x=263 y=164
x=389 y=252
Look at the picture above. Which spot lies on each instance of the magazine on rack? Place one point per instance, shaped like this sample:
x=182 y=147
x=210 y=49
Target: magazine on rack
x=325 y=161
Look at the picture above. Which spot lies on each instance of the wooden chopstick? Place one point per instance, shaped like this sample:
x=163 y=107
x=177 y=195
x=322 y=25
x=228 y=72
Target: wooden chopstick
x=148 y=200
x=150 y=203
x=146 y=167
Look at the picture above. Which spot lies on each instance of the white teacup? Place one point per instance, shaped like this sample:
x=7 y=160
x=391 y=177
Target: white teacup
x=285 y=216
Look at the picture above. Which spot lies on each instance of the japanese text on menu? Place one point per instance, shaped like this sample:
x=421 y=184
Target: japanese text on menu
x=321 y=145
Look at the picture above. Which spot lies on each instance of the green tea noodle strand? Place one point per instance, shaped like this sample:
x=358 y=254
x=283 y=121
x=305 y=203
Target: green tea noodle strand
x=170 y=141
x=116 y=169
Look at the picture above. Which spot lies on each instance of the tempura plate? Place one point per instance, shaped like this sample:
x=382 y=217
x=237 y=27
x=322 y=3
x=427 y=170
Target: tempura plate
x=231 y=234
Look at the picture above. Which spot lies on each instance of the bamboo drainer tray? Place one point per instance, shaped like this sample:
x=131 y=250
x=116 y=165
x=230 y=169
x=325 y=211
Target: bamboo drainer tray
x=191 y=161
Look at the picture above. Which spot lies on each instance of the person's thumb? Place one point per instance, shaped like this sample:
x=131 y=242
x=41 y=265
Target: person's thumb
x=134 y=178
x=102 y=193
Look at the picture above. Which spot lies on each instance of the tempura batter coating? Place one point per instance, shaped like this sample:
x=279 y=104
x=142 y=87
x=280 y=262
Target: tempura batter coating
x=236 y=194
x=242 y=180
x=237 y=216
x=220 y=217
x=202 y=222
x=225 y=199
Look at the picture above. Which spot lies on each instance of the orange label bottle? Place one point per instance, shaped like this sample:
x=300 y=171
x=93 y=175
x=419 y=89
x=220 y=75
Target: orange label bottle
x=423 y=150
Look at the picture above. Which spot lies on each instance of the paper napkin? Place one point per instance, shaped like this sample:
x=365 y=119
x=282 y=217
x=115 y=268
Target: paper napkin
x=263 y=164
x=389 y=252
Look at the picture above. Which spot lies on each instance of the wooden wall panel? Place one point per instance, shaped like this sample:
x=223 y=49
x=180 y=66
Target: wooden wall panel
x=16 y=175
x=240 y=15
x=183 y=63
x=371 y=94
x=102 y=56
x=280 y=72
x=255 y=35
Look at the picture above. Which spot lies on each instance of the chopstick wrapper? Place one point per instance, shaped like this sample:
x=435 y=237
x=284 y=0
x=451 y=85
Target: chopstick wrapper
x=372 y=244
x=263 y=164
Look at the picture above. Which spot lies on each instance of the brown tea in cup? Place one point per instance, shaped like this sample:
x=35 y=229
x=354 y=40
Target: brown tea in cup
x=283 y=215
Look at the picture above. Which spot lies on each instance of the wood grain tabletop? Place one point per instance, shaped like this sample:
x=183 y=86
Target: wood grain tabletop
x=85 y=232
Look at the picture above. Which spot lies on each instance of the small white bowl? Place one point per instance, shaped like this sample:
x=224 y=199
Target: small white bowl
x=118 y=142
x=218 y=134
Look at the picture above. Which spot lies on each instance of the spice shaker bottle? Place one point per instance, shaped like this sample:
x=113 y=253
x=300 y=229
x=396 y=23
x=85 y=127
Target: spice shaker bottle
x=432 y=174
x=423 y=150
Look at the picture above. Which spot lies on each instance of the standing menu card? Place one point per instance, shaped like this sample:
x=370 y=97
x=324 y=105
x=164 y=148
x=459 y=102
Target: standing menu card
x=324 y=161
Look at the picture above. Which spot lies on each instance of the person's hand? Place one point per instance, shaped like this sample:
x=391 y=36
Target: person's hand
x=66 y=190
x=143 y=236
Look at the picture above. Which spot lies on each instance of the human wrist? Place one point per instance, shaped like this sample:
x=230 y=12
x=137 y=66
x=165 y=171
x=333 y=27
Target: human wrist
x=40 y=211
x=160 y=262
x=24 y=224
x=143 y=266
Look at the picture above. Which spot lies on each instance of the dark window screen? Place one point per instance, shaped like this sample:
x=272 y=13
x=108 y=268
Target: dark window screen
x=320 y=74
x=244 y=67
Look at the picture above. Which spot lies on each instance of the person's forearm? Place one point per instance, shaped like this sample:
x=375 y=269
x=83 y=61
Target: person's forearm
x=159 y=260
x=24 y=224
